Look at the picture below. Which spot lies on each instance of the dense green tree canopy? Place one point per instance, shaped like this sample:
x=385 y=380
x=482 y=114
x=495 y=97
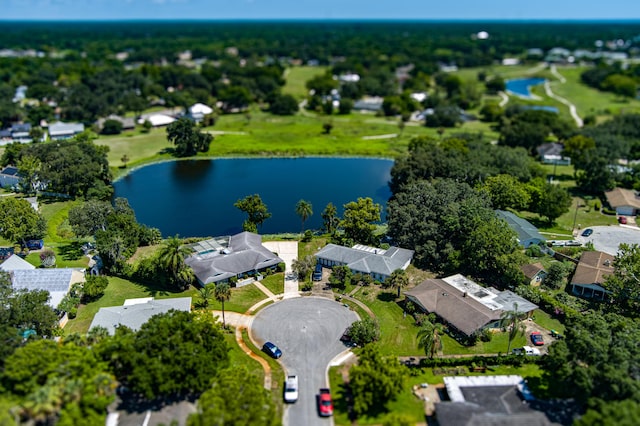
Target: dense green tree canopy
x=187 y=138
x=19 y=222
x=177 y=353
x=358 y=220
x=89 y=217
x=255 y=208
x=236 y=398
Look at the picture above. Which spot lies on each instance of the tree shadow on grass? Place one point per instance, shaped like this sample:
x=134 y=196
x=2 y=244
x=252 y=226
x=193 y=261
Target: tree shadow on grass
x=71 y=251
x=386 y=296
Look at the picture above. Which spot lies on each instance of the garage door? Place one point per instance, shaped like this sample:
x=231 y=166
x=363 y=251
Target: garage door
x=625 y=210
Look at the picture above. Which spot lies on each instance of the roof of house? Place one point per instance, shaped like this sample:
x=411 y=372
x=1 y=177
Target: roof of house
x=200 y=109
x=65 y=129
x=593 y=268
x=56 y=281
x=620 y=197
x=15 y=263
x=157 y=119
x=367 y=259
x=216 y=260
x=487 y=401
x=532 y=269
x=127 y=122
x=9 y=171
x=136 y=312
x=523 y=228
x=464 y=304
x=551 y=148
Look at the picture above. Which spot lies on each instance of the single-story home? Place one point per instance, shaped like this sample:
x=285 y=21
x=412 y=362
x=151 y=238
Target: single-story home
x=625 y=201
x=465 y=305
x=591 y=272
x=59 y=130
x=534 y=272
x=9 y=177
x=220 y=259
x=57 y=281
x=376 y=262
x=198 y=111
x=135 y=312
x=551 y=153
x=128 y=123
x=528 y=234
x=157 y=120
x=368 y=103
x=488 y=401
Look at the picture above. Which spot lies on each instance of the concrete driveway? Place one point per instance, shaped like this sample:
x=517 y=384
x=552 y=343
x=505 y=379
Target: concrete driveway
x=307 y=330
x=287 y=251
x=608 y=238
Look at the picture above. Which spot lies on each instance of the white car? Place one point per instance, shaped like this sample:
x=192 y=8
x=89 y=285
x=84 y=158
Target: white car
x=526 y=350
x=291 y=389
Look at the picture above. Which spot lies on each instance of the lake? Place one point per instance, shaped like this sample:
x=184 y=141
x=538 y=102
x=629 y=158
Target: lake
x=196 y=197
x=520 y=86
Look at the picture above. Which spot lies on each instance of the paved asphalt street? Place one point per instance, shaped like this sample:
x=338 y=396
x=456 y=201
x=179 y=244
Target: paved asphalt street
x=307 y=330
x=608 y=238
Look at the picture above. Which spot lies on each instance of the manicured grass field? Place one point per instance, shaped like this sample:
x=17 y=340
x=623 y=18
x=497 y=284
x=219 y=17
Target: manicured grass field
x=237 y=358
x=297 y=78
x=498 y=344
x=590 y=101
x=543 y=319
x=274 y=282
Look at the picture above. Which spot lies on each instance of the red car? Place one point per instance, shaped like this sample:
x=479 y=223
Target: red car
x=325 y=404
x=536 y=338
x=622 y=219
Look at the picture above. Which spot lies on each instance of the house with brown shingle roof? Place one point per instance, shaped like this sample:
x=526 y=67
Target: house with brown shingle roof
x=591 y=273
x=465 y=305
x=625 y=201
x=534 y=272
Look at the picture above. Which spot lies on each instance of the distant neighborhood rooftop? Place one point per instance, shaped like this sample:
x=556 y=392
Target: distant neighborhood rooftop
x=135 y=312
x=619 y=197
x=527 y=233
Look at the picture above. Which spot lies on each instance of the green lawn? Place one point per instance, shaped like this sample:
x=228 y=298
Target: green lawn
x=139 y=147
x=274 y=282
x=498 y=344
x=237 y=358
x=543 y=319
x=242 y=299
x=591 y=101
x=296 y=80
x=397 y=332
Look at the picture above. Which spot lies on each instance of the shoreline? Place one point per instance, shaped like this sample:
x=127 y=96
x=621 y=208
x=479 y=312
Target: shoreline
x=130 y=170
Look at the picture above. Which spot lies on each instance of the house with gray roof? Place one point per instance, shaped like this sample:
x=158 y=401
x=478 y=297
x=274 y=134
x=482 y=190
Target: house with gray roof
x=9 y=177
x=15 y=263
x=376 y=262
x=135 y=312
x=528 y=234
x=57 y=281
x=60 y=130
x=492 y=401
x=220 y=259
x=465 y=305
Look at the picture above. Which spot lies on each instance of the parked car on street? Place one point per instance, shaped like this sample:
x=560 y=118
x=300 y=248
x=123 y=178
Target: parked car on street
x=291 y=389
x=536 y=338
x=587 y=232
x=325 y=403
x=272 y=350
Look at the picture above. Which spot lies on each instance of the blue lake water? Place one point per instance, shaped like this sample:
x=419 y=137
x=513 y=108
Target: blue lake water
x=196 y=197
x=520 y=86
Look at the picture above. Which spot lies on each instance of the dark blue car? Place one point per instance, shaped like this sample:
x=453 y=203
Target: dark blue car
x=317 y=274
x=587 y=232
x=272 y=350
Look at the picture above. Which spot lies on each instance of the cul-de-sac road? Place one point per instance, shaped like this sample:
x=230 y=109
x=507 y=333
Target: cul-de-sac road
x=308 y=331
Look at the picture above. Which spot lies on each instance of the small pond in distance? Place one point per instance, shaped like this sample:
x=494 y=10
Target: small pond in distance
x=196 y=197
x=520 y=86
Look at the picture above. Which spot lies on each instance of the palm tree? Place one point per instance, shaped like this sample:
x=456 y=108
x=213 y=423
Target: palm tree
x=510 y=320
x=398 y=279
x=171 y=257
x=206 y=293
x=429 y=338
x=304 y=209
x=223 y=294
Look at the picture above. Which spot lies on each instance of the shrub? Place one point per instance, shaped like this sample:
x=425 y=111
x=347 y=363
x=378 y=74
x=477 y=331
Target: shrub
x=364 y=331
x=486 y=335
x=281 y=267
x=47 y=258
x=308 y=236
x=94 y=288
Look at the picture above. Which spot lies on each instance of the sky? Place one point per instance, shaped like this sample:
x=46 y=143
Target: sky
x=319 y=9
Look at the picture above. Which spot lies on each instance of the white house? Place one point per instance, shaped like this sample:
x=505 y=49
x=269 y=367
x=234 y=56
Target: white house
x=59 y=130
x=157 y=120
x=376 y=262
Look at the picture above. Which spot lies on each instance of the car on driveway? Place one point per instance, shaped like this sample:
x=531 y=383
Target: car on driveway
x=622 y=220
x=536 y=338
x=272 y=350
x=526 y=350
x=317 y=273
x=587 y=232
x=325 y=404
